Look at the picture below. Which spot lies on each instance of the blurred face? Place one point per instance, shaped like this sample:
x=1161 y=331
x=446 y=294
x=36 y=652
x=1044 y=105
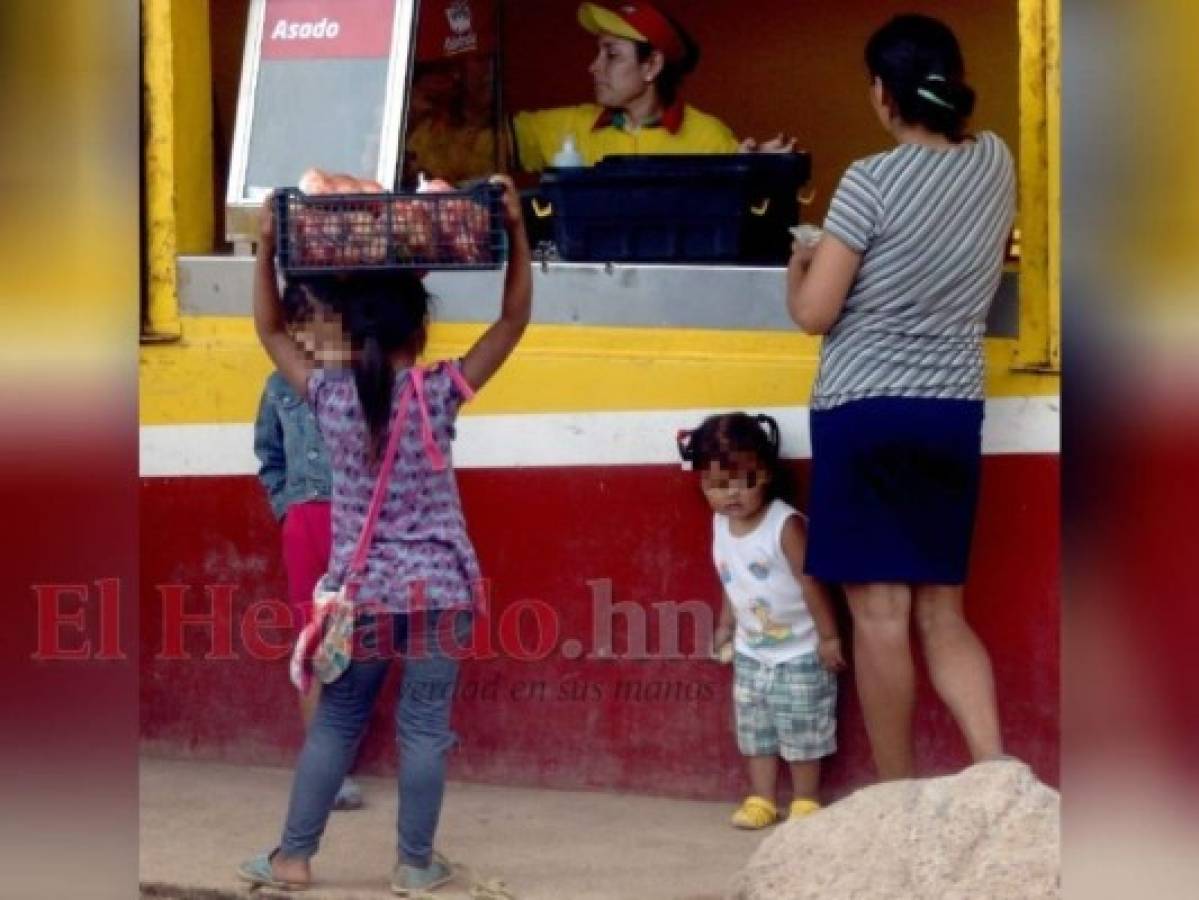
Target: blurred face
x=619 y=77
x=324 y=339
x=736 y=487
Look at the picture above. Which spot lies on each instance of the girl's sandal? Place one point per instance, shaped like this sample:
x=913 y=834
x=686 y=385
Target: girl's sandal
x=492 y=889
x=419 y=884
x=802 y=807
x=755 y=813
x=258 y=873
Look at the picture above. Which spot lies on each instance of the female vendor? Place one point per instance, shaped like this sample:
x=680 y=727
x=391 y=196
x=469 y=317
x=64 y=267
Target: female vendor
x=643 y=57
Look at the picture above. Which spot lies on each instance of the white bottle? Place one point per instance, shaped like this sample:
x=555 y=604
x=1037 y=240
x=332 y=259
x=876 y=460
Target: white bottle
x=568 y=156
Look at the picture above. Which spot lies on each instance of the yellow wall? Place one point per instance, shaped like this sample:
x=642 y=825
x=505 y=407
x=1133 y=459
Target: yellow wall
x=216 y=373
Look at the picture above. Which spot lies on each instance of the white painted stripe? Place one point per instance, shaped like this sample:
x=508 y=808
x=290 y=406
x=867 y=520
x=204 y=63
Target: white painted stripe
x=1013 y=425
x=197 y=450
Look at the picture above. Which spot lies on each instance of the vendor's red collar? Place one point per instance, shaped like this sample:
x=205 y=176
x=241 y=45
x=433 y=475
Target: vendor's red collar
x=671 y=119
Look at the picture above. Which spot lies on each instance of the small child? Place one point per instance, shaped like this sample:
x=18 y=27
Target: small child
x=417 y=577
x=294 y=471
x=786 y=646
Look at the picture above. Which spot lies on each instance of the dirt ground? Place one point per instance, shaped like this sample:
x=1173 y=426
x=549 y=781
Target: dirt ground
x=199 y=820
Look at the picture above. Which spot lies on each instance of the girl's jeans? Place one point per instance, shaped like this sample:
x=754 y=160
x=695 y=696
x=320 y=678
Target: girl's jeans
x=423 y=736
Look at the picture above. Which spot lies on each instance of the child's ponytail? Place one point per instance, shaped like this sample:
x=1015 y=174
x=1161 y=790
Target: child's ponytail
x=771 y=428
x=683 y=439
x=374 y=378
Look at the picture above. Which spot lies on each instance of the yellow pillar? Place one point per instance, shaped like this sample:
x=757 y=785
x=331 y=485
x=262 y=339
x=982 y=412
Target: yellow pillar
x=177 y=83
x=1053 y=81
x=1038 y=346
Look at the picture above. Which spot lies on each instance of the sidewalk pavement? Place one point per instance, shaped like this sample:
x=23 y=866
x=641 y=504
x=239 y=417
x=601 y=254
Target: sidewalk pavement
x=200 y=819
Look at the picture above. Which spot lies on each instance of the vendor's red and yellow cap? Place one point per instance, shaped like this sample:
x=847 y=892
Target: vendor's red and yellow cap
x=634 y=21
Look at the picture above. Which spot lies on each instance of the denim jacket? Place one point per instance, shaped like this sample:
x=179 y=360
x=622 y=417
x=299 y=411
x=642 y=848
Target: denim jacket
x=294 y=466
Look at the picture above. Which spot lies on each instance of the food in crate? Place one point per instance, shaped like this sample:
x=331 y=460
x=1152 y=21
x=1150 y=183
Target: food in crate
x=413 y=225
x=344 y=234
x=459 y=223
x=357 y=229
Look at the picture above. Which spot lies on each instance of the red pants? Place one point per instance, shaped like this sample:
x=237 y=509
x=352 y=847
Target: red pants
x=307 y=542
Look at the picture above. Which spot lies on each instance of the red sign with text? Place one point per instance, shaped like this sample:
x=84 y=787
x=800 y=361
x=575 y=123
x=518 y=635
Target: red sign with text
x=327 y=29
x=454 y=28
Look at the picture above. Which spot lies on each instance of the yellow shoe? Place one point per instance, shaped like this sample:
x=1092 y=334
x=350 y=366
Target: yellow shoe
x=803 y=807
x=754 y=813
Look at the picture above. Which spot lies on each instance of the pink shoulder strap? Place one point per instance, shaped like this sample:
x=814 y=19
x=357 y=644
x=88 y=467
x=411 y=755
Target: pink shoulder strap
x=358 y=563
x=414 y=388
x=426 y=426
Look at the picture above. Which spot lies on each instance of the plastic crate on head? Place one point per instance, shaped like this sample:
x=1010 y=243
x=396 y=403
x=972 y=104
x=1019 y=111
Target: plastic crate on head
x=324 y=234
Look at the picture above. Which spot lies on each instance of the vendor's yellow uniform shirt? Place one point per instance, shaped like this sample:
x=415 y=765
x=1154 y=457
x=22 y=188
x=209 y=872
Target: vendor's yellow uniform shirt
x=452 y=153
x=539 y=134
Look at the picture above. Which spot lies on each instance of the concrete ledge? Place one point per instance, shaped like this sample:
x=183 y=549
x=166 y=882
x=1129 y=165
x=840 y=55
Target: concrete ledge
x=633 y=295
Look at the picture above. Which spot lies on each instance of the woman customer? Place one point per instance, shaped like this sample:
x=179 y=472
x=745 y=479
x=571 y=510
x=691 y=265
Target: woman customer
x=900 y=285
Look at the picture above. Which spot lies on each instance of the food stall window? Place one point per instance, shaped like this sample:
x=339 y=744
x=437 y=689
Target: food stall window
x=453 y=102
x=805 y=80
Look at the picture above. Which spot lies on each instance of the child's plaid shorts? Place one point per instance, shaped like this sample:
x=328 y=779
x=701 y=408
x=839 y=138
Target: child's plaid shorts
x=788 y=710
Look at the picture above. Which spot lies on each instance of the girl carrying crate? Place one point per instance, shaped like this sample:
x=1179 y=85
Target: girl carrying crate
x=386 y=419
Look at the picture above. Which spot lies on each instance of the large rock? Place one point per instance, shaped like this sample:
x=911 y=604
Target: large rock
x=990 y=832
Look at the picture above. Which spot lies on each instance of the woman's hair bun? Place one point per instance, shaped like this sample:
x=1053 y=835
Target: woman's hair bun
x=955 y=95
x=919 y=62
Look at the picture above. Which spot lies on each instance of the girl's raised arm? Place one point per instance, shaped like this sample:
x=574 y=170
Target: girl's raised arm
x=497 y=343
x=292 y=362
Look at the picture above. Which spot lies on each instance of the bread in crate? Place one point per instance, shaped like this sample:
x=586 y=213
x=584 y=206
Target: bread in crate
x=335 y=222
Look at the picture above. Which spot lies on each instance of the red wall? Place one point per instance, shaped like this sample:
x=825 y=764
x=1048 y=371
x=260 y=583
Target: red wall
x=543 y=535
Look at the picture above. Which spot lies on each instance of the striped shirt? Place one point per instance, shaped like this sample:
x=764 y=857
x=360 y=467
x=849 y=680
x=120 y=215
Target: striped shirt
x=931 y=226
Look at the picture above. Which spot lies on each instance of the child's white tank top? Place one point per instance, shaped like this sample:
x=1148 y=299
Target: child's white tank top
x=773 y=622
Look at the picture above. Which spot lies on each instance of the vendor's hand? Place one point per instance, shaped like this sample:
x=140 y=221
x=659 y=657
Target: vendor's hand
x=830 y=654
x=513 y=218
x=780 y=143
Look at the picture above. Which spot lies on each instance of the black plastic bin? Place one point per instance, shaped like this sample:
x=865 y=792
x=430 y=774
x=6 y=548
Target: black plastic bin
x=320 y=234
x=677 y=208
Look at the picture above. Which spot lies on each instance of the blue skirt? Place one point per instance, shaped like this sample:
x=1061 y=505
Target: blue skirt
x=894 y=490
